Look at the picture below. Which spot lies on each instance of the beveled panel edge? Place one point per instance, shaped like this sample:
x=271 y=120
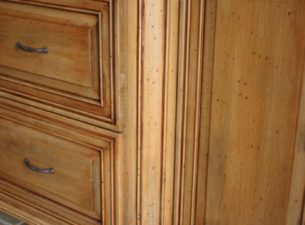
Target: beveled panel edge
x=106 y=143
x=18 y=206
x=27 y=107
x=49 y=19
x=95 y=182
x=17 y=81
x=186 y=40
x=62 y=92
x=116 y=78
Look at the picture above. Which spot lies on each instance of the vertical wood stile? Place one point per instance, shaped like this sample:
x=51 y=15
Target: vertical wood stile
x=151 y=109
x=191 y=153
x=170 y=93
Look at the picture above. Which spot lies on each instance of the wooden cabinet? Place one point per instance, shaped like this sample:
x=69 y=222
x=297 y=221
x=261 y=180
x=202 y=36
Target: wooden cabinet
x=120 y=112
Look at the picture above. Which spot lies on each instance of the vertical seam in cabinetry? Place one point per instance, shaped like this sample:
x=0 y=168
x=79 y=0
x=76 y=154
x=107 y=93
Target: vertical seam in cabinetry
x=176 y=172
x=197 y=112
x=113 y=109
x=184 y=113
x=112 y=177
x=164 y=111
x=141 y=7
x=179 y=115
x=296 y=136
x=102 y=169
x=208 y=6
x=113 y=78
x=301 y=221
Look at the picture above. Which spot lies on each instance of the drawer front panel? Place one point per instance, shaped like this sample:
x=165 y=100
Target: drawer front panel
x=70 y=59
x=76 y=178
x=74 y=74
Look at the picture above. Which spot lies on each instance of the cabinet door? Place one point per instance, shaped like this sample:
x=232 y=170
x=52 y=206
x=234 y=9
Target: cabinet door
x=255 y=115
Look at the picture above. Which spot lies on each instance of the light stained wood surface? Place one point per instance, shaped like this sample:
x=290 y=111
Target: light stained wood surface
x=53 y=100
x=76 y=168
x=201 y=121
x=296 y=193
x=257 y=79
x=188 y=153
x=151 y=95
x=89 y=148
x=65 y=38
x=76 y=77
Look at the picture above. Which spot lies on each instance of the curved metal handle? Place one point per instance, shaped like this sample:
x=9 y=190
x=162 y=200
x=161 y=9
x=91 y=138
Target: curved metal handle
x=37 y=169
x=26 y=48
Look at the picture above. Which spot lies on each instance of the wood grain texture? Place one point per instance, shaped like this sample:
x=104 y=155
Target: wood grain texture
x=151 y=92
x=156 y=86
x=94 y=134
x=189 y=118
x=170 y=111
x=61 y=123
x=97 y=134
x=297 y=186
x=258 y=69
x=77 y=78
x=128 y=166
x=23 y=204
x=76 y=168
x=65 y=39
x=210 y=95
x=105 y=143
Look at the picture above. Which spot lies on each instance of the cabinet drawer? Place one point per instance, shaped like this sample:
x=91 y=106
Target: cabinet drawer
x=63 y=57
x=60 y=170
x=59 y=56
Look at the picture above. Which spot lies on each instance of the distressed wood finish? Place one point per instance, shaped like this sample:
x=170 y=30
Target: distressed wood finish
x=103 y=146
x=150 y=94
x=76 y=78
x=76 y=167
x=257 y=81
x=191 y=159
x=207 y=101
x=65 y=114
x=46 y=27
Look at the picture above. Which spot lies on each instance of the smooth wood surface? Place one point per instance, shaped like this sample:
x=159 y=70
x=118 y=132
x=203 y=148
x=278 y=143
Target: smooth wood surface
x=257 y=79
x=76 y=181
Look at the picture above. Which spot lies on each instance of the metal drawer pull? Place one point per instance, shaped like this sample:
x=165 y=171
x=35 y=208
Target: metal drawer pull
x=37 y=169
x=26 y=48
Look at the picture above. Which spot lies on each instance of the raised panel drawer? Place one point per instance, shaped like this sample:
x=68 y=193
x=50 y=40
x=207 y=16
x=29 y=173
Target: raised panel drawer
x=70 y=38
x=75 y=182
x=74 y=74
